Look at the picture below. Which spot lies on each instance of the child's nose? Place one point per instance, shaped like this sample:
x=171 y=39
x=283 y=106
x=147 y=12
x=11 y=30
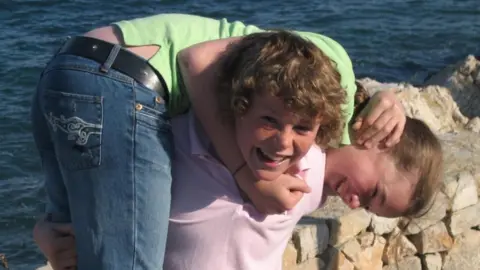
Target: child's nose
x=284 y=140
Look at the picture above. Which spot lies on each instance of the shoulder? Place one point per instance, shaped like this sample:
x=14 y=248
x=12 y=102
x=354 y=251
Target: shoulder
x=314 y=177
x=169 y=18
x=166 y=26
x=315 y=161
x=315 y=155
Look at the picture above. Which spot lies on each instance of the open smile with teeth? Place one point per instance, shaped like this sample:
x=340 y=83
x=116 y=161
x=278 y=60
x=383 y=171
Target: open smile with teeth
x=265 y=157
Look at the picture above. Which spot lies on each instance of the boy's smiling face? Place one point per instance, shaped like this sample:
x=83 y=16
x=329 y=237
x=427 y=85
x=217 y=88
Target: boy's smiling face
x=271 y=138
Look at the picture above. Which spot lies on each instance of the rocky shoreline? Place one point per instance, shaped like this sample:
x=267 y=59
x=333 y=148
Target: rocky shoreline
x=448 y=236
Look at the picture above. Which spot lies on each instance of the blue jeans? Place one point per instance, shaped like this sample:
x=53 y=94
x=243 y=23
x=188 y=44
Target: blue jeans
x=105 y=143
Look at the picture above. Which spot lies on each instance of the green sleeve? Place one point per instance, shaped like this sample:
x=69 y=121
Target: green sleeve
x=172 y=33
x=351 y=88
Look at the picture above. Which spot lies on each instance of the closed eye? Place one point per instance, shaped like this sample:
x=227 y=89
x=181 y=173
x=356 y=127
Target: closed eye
x=375 y=192
x=370 y=198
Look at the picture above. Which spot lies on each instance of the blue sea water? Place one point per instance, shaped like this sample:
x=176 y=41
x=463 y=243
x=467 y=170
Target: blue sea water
x=389 y=40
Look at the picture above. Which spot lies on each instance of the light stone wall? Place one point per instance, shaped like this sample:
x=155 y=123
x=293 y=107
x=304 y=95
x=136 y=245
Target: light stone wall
x=448 y=236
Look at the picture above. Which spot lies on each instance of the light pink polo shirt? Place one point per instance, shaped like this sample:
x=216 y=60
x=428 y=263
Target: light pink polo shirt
x=211 y=227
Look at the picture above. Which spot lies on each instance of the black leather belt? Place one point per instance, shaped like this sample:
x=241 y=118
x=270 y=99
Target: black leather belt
x=126 y=62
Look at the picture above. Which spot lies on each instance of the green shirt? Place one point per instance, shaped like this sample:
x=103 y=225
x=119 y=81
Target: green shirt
x=174 y=32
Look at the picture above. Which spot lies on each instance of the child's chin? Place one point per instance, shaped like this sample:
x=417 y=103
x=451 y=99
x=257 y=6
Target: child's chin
x=267 y=175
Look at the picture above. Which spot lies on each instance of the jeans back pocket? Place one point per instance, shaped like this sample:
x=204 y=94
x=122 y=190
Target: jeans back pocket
x=76 y=125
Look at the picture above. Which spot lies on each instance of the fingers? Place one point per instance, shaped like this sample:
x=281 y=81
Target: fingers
x=67 y=258
x=280 y=195
x=292 y=190
x=69 y=264
x=64 y=261
x=395 y=135
x=379 y=130
x=358 y=124
x=63 y=228
x=64 y=244
x=300 y=186
x=383 y=122
x=374 y=110
x=297 y=196
x=360 y=119
x=64 y=255
x=38 y=231
x=293 y=183
x=293 y=198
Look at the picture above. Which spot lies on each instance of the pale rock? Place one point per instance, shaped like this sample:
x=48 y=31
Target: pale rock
x=313 y=264
x=333 y=208
x=335 y=260
x=289 y=259
x=437 y=212
x=477 y=178
x=372 y=86
x=398 y=247
x=310 y=238
x=432 y=261
x=365 y=258
x=464 y=254
x=474 y=124
x=408 y=263
x=348 y=226
x=366 y=239
x=461 y=79
x=351 y=249
x=433 y=239
x=444 y=254
x=461 y=153
x=433 y=105
x=382 y=225
x=464 y=219
x=461 y=191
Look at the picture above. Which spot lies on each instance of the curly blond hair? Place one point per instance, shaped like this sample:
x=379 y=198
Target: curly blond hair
x=284 y=65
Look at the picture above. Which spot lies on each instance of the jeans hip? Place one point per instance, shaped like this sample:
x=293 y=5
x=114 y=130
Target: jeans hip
x=105 y=143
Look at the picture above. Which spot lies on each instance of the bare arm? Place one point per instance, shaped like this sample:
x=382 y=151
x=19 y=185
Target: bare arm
x=57 y=242
x=199 y=65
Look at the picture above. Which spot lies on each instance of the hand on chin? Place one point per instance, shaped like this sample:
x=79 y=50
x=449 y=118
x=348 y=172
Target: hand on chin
x=266 y=174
